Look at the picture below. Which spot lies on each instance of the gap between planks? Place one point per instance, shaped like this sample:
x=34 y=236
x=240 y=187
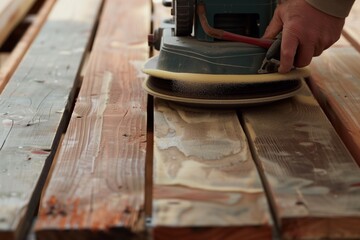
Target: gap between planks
x=8 y=67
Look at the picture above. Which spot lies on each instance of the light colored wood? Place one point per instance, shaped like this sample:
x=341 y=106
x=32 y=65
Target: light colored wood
x=11 y=13
x=351 y=28
x=34 y=108
x=204 y=177
x=7 y=68
x=97 y=187
x=335 y=81
x=201 y=206
x=312 y=178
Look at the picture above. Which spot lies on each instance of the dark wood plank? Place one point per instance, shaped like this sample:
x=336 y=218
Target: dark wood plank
x=97 y=188
x=206 y=185
x=34 y=107
x=313 y=180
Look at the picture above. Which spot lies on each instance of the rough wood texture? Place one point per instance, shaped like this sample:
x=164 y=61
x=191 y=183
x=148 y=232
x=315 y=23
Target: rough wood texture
x=11 y=13
x=33 y=109
x=351 y=28
x=97 y=187
x=314 y=181
x=7 y=68
x=335 y=81
x=206 y=185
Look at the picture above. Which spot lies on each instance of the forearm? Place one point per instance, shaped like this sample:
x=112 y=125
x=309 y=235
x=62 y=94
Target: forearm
x=337 y=8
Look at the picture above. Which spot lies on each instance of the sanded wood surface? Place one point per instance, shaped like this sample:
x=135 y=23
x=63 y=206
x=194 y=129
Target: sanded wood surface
x=97 y=188
x=206 y=185
x=335 y=81
x=11 y=13
x=351 y=29
x=313 y=179
x=8 y=67
x=33 y=110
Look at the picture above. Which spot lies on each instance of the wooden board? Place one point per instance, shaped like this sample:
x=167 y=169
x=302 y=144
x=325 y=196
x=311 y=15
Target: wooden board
x=206 y=185
x=351 y=28
x=34 y=108
x=97 y=187
x=8 y=67
x=335 y=81
x=312 y=178
x=11 y=13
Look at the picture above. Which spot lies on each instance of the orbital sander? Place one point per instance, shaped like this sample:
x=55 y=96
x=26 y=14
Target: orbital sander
x=212 y=53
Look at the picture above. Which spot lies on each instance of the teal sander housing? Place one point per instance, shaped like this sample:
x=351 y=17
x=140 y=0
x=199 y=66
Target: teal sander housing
x=212 y=53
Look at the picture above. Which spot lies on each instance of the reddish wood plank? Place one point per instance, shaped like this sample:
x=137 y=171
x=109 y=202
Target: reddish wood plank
x=97 y=187
x=335 y=81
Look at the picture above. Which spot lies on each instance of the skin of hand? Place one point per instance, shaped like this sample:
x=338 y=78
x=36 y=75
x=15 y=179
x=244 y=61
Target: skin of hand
x=306 y=32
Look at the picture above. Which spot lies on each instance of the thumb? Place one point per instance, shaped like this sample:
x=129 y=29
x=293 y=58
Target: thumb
x=275 y=25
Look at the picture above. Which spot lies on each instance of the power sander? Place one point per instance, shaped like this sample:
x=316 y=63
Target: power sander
x=212 y=53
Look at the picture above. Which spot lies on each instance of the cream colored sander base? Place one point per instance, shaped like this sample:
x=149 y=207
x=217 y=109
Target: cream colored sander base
x=150 y=69
x=222 y=79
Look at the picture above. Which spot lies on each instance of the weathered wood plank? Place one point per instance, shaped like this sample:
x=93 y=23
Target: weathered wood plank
x=313 y=179
x=11 y=13
x=206 y=185
x=33 y=110
x=7 y=68
x=97 y=187
x=351 y=28
x=335 y=81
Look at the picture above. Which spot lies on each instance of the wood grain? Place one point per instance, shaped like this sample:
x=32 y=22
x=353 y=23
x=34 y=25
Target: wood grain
x=313 y=180
x=97 y=187
x=11 y=13
x=8 y=67
x=34 y=107
x=206 y=185
x=335 y=83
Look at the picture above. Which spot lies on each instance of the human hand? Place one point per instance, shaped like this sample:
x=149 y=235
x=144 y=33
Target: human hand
x=306 y=32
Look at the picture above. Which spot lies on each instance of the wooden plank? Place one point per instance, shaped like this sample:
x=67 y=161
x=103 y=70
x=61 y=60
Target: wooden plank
x=34 y=108
x=351 y=28
x=97 y=188
x=11 y=13
x=335 y=81
x=7 y=68
x=206 y=185
x=312 y=178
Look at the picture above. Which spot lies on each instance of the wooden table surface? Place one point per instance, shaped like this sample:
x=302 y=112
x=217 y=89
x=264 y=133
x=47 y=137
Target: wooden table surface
x=85 y=153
